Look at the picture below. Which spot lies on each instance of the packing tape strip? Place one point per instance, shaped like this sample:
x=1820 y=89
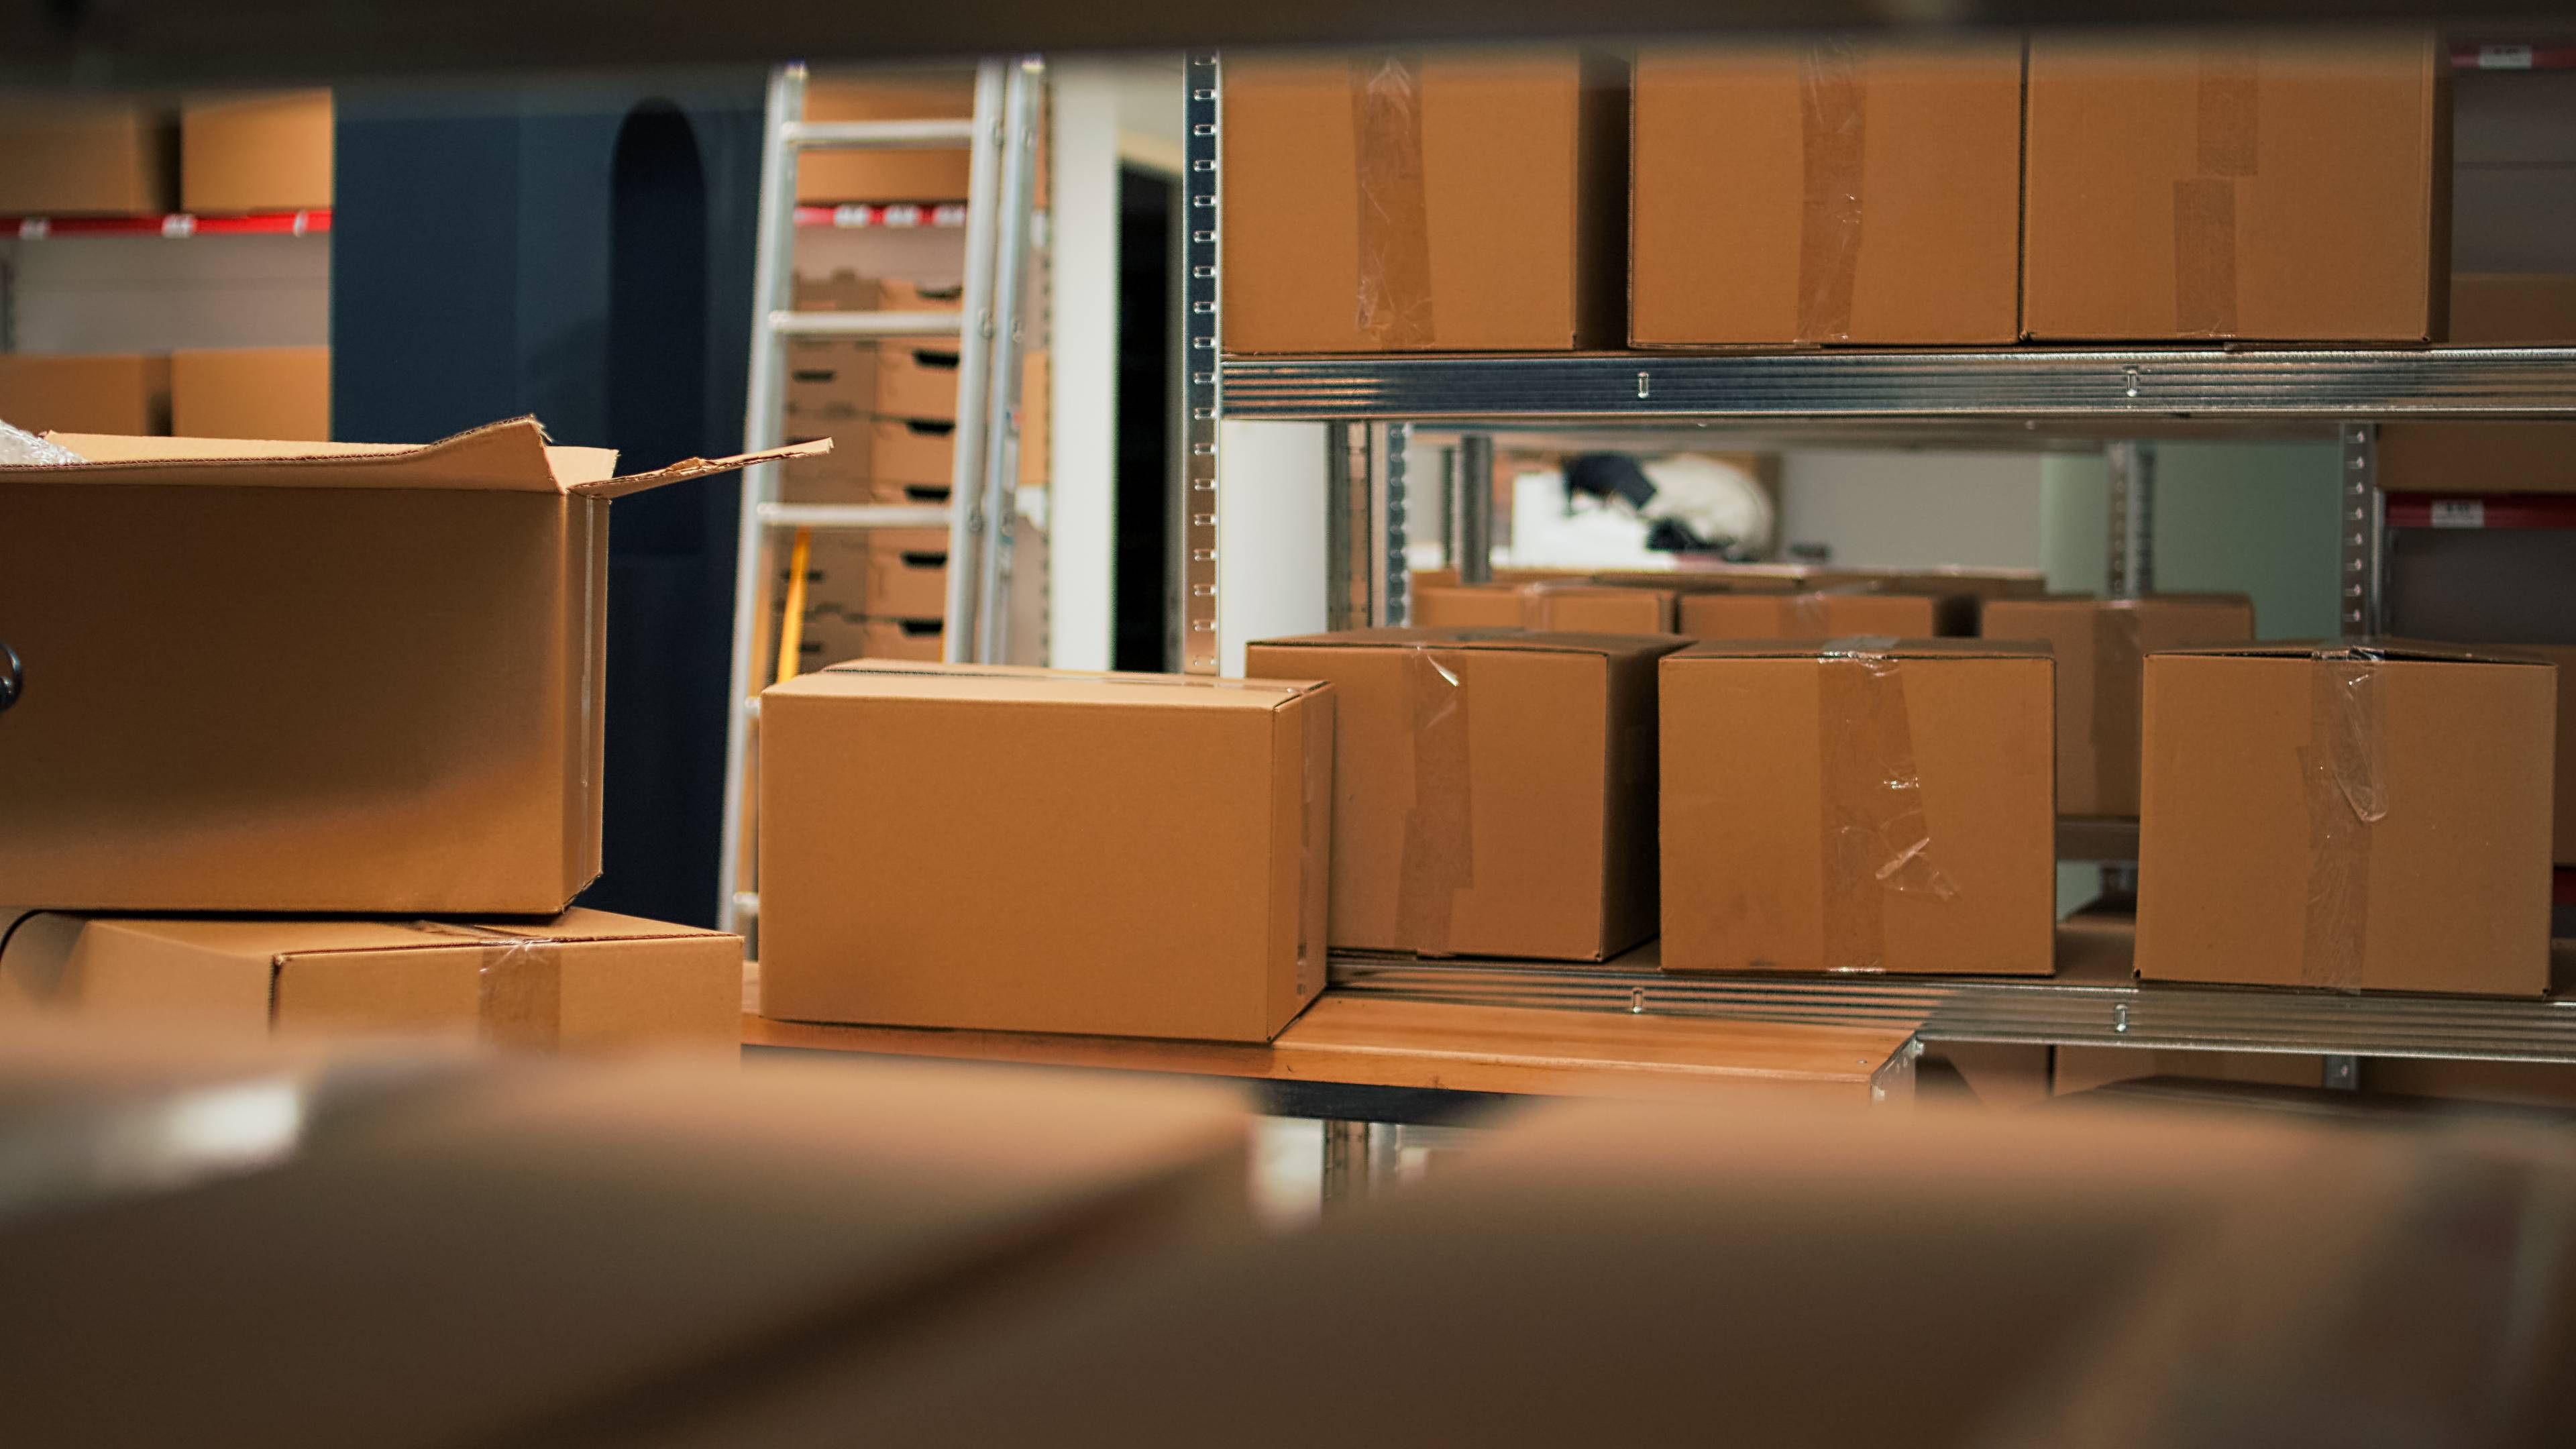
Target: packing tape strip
x=2119 y=704
x=1394 y=302
x=1802 y=616
x=2229 y=104
x=518 y=986
x=2344 y=774
x=1875 y=837
x=1439 y=858
x=1830 y=135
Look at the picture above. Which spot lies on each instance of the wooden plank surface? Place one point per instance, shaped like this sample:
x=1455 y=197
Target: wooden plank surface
x=1369 y=1041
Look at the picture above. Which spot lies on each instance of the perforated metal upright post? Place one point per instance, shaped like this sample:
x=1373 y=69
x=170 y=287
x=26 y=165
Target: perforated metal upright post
x=1473 y=525
x=2361 y=537
x=1202 y=393
x=1350 y=577
x=1388 y=483
x=2132 y=560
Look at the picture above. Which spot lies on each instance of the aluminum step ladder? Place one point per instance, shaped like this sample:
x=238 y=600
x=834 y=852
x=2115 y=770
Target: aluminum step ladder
x=1001 y=185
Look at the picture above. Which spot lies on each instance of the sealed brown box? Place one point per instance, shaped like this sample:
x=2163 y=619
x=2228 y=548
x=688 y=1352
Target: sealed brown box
x=72 y=155
x=420 y=1249
x=2507 y=309
x=2562 y=835
x=1598 y=609
x=1829 y=614
x=1394 y=203
x=1834 y=192
x=1172 y=836
x=586 y=980
x=255 y=152
x=907 y=576
x=1862 y=811
x=358 y=678
x=2501 y=457
x=914 y=639
x=917 y=382
x=102 y=392
x=2238 y=186
x=2357 y=818
x=282 y=394
x=1495 y=795
x=1469 y=606
x=2101 y=647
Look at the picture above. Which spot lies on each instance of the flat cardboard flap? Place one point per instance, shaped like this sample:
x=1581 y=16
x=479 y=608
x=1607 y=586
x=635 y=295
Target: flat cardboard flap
x=2393 y=650
x=868 y=679
x=511 y=456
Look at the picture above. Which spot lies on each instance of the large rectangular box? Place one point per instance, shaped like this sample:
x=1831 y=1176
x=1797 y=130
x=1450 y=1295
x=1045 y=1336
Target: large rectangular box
x=929 y=174
x=73 y=155
x=126 y=393
x=359 y=678
x=262 y=151
x=1835 y=192
x=2351 y=818
x=1394 y=203
x=1494 y=796
x=1170 y=839
x=2562 y=835
x=2492 y=310
x=282 y=394
x=2238 y=187
x=1560 y=608
x=2101 y=647
x=1884 y=811
x=907 y=574
x=1826 y=614
x=585 y=980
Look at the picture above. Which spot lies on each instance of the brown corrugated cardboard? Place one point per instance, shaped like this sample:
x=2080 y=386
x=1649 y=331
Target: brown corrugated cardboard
x=255 y=152
x=2504 y=457
x=423 y=1250
x=2357 y=819
x=1171 y=842
x=919 y=640
x=1457 y=201
x=107 y=392
x=1878 y=809
x=2294 y=189
x=2109 y=1277
x=905 y=450
x=279 y=393
x=1494 y=792
x=830 y=635
x=73 y=155
x=584 y=981
x=1599 y=609
x=309 y=676
x=1775 y=578
x=926 y=174
x=2513 y=310
x=1831 y=614
x=908 y=574
x=2101 y=647
x=1469 y=606
x=917 y=382
x=1856 y=192
x=2562 y=834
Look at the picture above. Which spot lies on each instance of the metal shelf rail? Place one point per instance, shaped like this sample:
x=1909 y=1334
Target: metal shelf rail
x=2113 y=399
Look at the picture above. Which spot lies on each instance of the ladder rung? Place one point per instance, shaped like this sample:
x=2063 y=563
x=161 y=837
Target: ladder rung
x=854 y=515
x=880 y=135
x=867 y=324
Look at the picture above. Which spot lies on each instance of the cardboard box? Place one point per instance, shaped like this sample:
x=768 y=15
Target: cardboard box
x=919 y=640
x=1835 y=192
x=1494 y=796
x=1831 y=614
x=255 y=152
x=917 y=381
x=2281 y=189
x=929 y=175
x=2316 y=815
x=907 y=574
x=829 y=634
x=1558 y=607
x=1469 y=606
x=1449 y=202
x=281 y=394
x=1171 y=839
x=586 y=980
x=2498 y=309
x=102 y=392
x=404 y=1251
x=1872 y=812
x=2510 y=457
x=71 y=155
x=2562 y=834
x=359 y=678
x=2101 y=647
x=1788 y=578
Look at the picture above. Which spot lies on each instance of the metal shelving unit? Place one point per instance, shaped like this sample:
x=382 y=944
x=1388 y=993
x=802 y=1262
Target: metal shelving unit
x=2115 y=400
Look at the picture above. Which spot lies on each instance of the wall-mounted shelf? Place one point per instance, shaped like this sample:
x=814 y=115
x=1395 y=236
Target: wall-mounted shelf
x=885 y=216
x=175 y=224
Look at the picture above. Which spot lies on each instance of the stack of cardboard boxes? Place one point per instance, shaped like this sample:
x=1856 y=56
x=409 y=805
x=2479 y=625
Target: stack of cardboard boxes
x=358 y=782
x=890 y=409
x=219 y=154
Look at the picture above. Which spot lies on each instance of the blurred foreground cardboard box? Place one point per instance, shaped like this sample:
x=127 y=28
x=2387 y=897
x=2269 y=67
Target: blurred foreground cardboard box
x=584 y=981
x=417 y=1249
x=1172 y=836
x=1612 y=1275
x=75 y=155
x=1493 y=794
x=358 y=679
x=98 y=392
x=1887 y=811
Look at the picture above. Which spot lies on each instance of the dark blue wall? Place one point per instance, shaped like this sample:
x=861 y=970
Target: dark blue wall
x=583 y=252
